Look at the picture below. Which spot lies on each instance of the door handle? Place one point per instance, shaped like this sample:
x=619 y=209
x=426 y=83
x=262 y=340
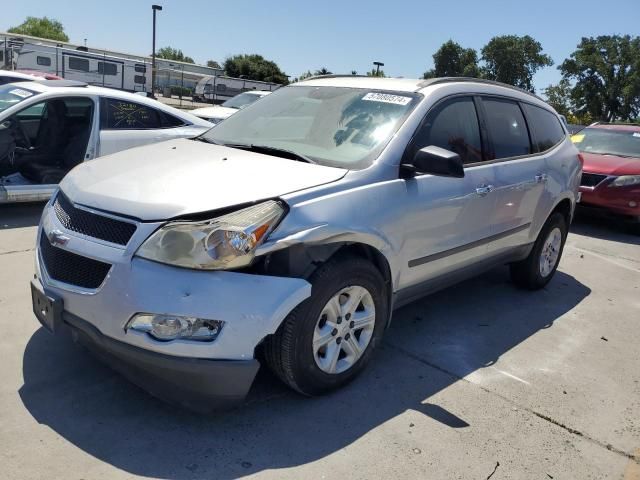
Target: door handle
x=541 y=178
x=483 y=190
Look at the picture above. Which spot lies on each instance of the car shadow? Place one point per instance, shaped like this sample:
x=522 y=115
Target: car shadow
x=20 y=215
x=431 y=344
x=598 y=226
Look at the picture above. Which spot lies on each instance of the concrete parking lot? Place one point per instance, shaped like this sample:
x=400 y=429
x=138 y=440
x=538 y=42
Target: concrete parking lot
x=478 y=381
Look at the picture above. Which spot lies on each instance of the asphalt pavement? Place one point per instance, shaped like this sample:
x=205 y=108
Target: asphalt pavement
x=478 y=381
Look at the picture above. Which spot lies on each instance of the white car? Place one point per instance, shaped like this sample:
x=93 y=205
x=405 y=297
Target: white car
x=47 y=128
x=218 y=113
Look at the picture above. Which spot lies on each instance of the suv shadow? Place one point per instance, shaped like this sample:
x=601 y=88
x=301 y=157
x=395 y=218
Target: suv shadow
x=431 y=344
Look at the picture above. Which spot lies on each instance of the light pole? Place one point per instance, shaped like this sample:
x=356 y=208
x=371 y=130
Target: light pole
x=155 y=8
x=378 y=65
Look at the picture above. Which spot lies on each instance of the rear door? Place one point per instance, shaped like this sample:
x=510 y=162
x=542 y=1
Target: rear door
x=447 y=220
x=125 y=124
x=520 y=170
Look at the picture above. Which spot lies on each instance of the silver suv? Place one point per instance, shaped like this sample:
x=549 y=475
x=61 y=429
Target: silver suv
x=290 y=232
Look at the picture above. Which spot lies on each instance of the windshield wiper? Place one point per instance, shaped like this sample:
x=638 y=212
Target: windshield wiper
x=280 y=152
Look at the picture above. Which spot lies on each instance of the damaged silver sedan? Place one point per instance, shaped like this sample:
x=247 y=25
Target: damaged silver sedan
x=289 y=233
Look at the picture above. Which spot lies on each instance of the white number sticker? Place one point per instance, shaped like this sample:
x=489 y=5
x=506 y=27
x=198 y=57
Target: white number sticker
x=21 y=93
x=386 y=98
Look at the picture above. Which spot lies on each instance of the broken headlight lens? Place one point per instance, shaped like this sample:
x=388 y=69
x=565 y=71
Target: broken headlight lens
x=221 y=243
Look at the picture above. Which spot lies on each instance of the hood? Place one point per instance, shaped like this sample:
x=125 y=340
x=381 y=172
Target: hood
x=610 y=164
x=214 y=112
x=180 y=177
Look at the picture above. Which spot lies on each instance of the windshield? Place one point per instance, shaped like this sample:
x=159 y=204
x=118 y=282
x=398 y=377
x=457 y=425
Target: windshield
x=11 y=95
x=241 y=100
x=334 y=126
x=614 y=142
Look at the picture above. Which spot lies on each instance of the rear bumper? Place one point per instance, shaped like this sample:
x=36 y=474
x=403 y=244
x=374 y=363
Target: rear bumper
x=198 y=384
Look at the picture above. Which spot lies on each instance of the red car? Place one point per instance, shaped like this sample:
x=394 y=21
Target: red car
x=611 y=172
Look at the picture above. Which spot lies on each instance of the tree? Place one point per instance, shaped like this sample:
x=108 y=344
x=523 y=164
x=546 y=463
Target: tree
x=305 y=75
x=254 y=67
x=559 y=97
x=323 y=71
x=451 y=60
x=513 y=60
x=41 y=27
x=170 y=53
x=354 y=72
x=213 y=64
x=375 y=73
x=606 y=71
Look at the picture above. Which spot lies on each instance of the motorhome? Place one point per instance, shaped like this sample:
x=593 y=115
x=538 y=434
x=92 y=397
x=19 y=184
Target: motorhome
x=219 y=88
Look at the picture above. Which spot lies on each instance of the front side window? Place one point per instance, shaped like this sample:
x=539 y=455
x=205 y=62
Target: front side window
x=507 y=129
x=335 y=126
x=44 y=61
x=607 y=141
x=126 y=115
x=105 y=68
x=81 y=64
x=545 y=127
x=452 y=125
x=11 y=95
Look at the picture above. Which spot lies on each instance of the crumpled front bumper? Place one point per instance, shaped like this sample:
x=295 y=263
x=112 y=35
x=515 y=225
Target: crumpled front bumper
x=252 y=307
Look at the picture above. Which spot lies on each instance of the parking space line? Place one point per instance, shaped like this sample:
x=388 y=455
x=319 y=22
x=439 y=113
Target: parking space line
x=605 y=258
x=633 y=457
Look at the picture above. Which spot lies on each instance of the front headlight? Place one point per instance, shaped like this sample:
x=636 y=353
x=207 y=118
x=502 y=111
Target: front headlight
x=225 y=242
x=626 y=181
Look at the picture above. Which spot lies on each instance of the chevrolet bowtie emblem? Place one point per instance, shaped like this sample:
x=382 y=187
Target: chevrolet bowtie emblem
x=57 y=238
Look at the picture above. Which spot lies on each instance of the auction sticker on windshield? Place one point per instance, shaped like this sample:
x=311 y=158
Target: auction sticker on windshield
x=387 y=98
x=21 y=93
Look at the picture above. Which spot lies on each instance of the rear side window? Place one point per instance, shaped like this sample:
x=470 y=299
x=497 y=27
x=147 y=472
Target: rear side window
x=125 y=115
x=507 y=129
x=546 y=131
x=452 y=125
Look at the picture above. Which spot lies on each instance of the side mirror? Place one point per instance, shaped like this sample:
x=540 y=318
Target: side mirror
x=438 y=161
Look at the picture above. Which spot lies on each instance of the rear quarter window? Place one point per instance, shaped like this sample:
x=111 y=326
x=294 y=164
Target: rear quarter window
x=546 y=130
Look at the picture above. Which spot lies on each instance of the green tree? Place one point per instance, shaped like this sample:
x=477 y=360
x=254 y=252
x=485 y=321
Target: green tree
x=305 y=75
x=41 y=27
x=375 y=73
x=451 y=60
x=323 y=71
x=354 y=72
x=254 y=67
x=513 y=60
x=606 y=72
x=559 y=97
x=170 y=53
x=213 y=64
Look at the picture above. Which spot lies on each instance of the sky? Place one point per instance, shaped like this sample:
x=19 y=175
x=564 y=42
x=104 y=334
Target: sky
x=341 y=35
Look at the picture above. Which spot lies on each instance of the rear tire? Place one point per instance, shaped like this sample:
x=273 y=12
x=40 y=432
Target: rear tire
x=535 y=271
x=296 y=352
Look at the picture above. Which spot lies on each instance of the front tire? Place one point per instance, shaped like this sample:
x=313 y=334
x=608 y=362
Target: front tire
x=535 y=271
x=327 y=340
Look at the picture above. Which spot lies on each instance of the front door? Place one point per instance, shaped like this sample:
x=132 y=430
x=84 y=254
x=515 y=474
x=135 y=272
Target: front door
x=448 y=220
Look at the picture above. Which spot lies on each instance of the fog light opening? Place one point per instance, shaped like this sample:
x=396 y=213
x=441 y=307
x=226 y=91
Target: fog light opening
x=173 y=327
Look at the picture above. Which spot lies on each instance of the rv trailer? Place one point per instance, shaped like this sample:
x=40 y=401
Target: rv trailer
x=78 y=63
x=219 y=88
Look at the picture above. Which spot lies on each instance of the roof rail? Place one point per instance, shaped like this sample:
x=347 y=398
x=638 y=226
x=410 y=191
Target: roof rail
x=65 y=83
x=335 y=75
x=621 y=124
x=436 y=81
